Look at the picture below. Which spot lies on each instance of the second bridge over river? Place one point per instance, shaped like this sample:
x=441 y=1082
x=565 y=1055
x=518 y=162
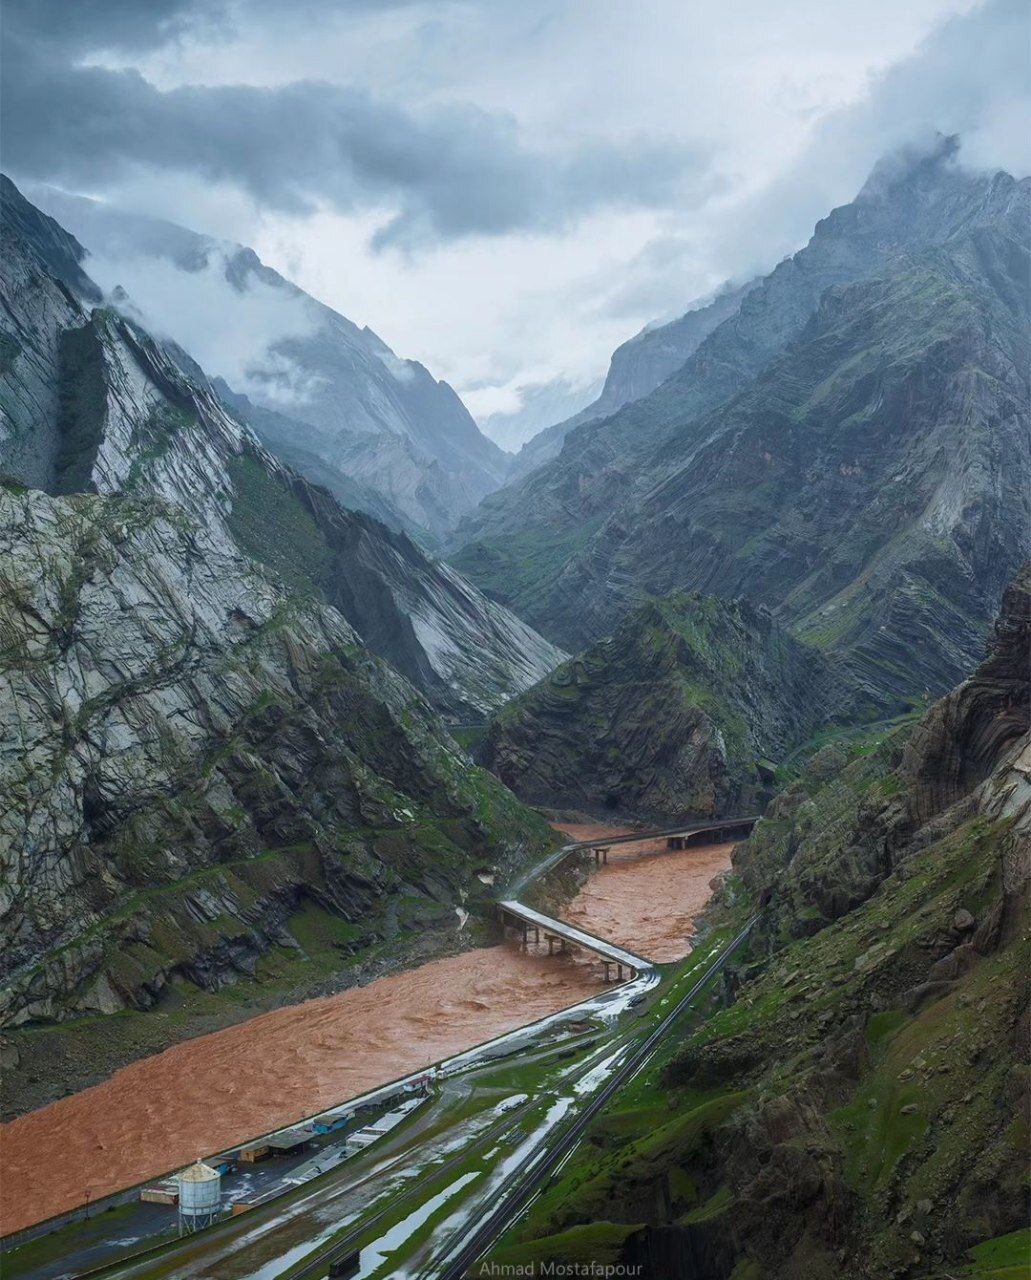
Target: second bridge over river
x=689 y=836
x=619 y=963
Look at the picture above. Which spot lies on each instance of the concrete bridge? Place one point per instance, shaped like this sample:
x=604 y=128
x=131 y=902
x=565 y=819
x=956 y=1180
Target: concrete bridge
x=619 y=964
x=716 y=832
x=707 y=831
x=700 y=833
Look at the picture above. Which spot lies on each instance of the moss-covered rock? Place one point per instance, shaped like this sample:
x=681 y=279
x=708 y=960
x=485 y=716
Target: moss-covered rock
x=684 y=709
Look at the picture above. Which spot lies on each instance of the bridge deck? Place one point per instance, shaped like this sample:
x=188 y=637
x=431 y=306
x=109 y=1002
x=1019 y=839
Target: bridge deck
x=559 y=929
x=685 y=829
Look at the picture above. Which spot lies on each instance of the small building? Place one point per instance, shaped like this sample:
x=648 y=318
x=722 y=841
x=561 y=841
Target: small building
x=288 y=1140
x=254 y=1151
x=165 y=1192
x=331 y=1121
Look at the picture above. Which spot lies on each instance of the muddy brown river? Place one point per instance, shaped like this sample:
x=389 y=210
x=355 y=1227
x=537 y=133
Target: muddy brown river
x=217 y=1090
x=646 y=898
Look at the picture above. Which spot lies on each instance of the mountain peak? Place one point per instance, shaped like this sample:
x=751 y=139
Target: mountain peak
x=911 y=166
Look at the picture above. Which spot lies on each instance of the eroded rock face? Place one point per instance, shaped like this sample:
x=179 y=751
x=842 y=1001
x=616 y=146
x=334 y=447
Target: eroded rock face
x=187 y=756
x=196 y=739
x=683 y=710
x=833 y=836
x=93 y=403
x=959 y=743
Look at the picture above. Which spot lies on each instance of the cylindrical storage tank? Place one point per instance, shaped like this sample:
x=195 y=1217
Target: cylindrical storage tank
x=200 y=1191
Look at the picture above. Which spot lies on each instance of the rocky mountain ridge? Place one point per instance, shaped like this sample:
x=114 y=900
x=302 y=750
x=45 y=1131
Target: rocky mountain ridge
x=636 y=368
x=671 y=715
x=94 y=403
x=864 y=471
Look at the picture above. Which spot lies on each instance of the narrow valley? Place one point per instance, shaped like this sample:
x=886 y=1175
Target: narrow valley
x=515 y=640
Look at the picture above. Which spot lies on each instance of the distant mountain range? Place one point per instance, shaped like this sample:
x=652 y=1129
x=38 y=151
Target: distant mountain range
x=851 y=447
x=637 y=367
x=349 y=412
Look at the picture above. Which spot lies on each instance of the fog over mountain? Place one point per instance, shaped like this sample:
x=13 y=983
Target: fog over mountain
x=332 y=396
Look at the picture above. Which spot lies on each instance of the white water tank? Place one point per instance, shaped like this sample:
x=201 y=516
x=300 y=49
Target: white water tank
x=200 y=1191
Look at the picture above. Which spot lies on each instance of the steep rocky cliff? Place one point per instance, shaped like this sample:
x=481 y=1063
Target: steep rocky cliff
x=851 y=447
x=92 y=402
x=857 y=1105
x=190 y=756
x=342 y=393
x=684 y=709
x=198 y=747
x=283 y=438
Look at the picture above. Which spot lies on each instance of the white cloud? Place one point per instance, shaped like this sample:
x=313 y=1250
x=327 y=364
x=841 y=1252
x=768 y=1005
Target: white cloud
x=229 y=333
x=488 y=402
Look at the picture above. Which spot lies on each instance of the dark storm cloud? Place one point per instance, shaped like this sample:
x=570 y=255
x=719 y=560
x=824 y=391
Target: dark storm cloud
x=138 y=25
x=83 y=25
x=448 y=171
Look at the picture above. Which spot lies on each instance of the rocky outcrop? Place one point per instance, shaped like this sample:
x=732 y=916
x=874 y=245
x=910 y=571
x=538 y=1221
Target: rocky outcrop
x=851 y=448
x=959 y=742
x=832 y=837
x=380 y=420
x=197 y=741
x=856 y=1108
x=684 y=709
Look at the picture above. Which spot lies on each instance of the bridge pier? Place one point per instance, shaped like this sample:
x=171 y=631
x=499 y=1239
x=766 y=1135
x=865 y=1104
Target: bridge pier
x=601 y=854
x=714 y=834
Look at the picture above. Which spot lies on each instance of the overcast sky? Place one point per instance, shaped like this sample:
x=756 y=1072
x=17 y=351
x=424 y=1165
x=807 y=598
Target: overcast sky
x=502 y=190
